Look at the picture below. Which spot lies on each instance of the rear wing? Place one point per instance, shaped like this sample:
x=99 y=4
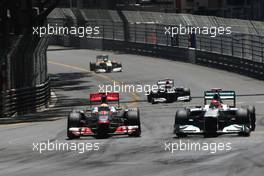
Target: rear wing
x=98 y=98
x=102 y=57
x=223 y=94
x=166 y=81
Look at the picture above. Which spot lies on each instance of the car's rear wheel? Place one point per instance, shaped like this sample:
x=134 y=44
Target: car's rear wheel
x=133 y=118
x=73 y=121
x=186 y=91
x=119 y=65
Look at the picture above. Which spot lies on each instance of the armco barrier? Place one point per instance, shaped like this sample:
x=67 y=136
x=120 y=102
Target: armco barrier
x=215 y=60
x=26 y=83
x=230 y=63
x=25 y=100
x=147 y=49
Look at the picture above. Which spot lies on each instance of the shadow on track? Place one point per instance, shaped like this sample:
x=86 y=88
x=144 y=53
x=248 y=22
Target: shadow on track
x=69 y=81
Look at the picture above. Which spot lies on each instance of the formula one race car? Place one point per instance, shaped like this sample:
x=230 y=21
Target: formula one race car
x=103 y=120
x=216 y=118
x=103 y=64
x=168 y=93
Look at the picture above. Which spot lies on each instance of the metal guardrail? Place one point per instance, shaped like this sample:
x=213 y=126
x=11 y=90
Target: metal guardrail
x=238 y=45
x=24 y=80
x=25 y=100
x=241 y=45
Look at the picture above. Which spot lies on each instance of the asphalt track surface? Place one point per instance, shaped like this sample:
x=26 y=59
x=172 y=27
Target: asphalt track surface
x=126 y=156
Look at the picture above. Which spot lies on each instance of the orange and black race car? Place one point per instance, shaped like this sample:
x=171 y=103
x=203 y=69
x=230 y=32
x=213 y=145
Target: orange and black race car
x=103 y=64
x=104 y=120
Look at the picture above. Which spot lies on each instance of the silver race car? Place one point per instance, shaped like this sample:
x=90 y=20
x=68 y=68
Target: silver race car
x=216 y=117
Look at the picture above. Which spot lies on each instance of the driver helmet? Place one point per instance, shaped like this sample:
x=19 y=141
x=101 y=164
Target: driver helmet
x=215 y=104
x=167 y=85
x=104 y=105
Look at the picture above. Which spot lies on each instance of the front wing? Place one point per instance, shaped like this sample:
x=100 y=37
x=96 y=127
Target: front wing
x=180 y=98
x=230 y=129
x=103 y=70
x=86 y=131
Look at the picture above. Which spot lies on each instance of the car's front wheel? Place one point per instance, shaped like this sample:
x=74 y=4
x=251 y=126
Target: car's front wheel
x=92 y=66
x=181 y=118
x=73 y=121
x=133 y=118
x=149 y=97
x=243 y=117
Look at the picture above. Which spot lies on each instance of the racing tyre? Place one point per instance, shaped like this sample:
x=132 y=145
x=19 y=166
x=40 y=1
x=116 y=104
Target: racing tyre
x=120 y=66
x=133 y=118
x=252 y=114
x=153 y=101
x=245 y=134
x=73 y=121
x=181 y=118
x=187 y=92
x=243 y=117
x=123 y=113
x=149 y=97
x=92 y=66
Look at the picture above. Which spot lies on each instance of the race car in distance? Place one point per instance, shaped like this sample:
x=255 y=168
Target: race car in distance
x=103 y=64
x=168 y=93
x=216 y=118
x=103 y=120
